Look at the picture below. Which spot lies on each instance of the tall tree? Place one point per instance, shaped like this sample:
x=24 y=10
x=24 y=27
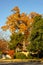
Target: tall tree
x=19 y=22
x=36 y=37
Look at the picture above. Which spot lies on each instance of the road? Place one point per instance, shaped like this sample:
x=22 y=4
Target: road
x=22 y=63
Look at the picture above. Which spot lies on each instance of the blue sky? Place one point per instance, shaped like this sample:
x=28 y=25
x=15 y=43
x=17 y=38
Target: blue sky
x=26 y=6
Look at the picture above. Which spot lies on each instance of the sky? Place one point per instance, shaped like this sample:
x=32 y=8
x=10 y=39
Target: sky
x=26 y=6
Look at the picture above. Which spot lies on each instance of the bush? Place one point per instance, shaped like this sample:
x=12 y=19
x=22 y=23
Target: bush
x=33 y=56
x=30 y=56
x=19 y=55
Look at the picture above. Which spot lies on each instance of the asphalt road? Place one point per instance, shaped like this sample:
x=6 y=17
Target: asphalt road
x=23 y=63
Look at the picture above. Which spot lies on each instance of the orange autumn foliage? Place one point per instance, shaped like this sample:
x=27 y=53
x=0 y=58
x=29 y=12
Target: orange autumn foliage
x=16 y=9
x=4 y=27
x=19 y=21
x=3 y=45
x=11 y=53
x=23 y=27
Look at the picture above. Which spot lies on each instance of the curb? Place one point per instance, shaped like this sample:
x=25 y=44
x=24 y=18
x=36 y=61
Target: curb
x=21 y=60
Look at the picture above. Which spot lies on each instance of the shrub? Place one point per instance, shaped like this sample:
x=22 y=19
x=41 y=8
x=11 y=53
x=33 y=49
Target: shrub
x=19 y=55
x=30 y=56
x=33 y=56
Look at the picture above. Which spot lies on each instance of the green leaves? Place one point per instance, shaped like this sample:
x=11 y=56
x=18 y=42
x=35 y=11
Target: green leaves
x=36 y=37
x=16 y=38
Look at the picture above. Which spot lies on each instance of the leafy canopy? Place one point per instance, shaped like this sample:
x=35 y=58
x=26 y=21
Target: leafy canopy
x=36 y=37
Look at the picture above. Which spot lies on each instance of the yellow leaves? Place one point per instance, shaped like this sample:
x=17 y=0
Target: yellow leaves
x=23 y=14
x=11 y=26
x=4 y=28
x=16 y=18
x=33 y=14
x=24 y=18
x=30 y=21
x=16 y=9
x=21 y=30
x=9 y=18
x=13 y=17
x=12 y=30
x=23 y=26
x=22 y=22
x=8 y=23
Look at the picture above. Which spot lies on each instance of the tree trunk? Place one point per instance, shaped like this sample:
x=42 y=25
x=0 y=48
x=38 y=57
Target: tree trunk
x=24 y=46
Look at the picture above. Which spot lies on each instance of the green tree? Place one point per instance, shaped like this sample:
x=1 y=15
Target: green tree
x=36 y=37
x=16 y=40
